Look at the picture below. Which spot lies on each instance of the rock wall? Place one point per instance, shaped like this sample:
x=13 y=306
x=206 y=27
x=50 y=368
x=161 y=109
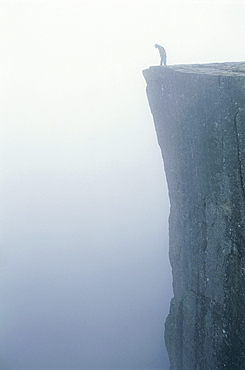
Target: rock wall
x=199 y=117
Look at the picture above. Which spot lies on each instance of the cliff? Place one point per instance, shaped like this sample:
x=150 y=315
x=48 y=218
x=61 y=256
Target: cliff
x=199 y=116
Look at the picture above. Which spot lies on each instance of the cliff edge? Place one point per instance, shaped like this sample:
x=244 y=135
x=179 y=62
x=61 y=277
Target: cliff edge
x=199 y=116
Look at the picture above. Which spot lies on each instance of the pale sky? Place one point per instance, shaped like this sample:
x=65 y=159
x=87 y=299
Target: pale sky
x=85 y=280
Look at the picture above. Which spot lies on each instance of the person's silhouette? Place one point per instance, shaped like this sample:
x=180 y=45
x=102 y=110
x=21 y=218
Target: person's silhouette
x=162 y=53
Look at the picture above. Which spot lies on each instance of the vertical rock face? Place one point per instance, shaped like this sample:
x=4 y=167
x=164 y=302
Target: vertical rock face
x=199 y=117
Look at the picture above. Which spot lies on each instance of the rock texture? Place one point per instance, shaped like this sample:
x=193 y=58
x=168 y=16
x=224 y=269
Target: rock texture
x=199 y=117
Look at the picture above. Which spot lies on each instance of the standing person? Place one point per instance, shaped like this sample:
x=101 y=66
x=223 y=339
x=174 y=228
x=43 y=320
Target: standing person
x=162 y=53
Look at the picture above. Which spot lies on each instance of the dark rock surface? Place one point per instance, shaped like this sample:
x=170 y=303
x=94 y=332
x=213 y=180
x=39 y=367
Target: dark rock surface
x=199 y=117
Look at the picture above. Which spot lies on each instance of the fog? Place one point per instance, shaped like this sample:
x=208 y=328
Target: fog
x=85 y=281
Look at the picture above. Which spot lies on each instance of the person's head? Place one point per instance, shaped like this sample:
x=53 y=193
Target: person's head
x=156 y=45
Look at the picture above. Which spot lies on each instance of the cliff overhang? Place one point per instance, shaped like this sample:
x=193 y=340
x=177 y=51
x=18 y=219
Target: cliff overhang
x=199 y=117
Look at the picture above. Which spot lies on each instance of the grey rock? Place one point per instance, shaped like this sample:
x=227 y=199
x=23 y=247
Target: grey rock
x=199 y=117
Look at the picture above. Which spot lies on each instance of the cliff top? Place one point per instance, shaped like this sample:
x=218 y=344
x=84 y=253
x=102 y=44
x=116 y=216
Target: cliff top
x=225 y=69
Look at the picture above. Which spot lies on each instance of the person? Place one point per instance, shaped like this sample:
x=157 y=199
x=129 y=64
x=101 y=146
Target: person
x=162 y=53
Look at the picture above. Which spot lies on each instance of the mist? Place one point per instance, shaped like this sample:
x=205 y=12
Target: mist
x=85 y=279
